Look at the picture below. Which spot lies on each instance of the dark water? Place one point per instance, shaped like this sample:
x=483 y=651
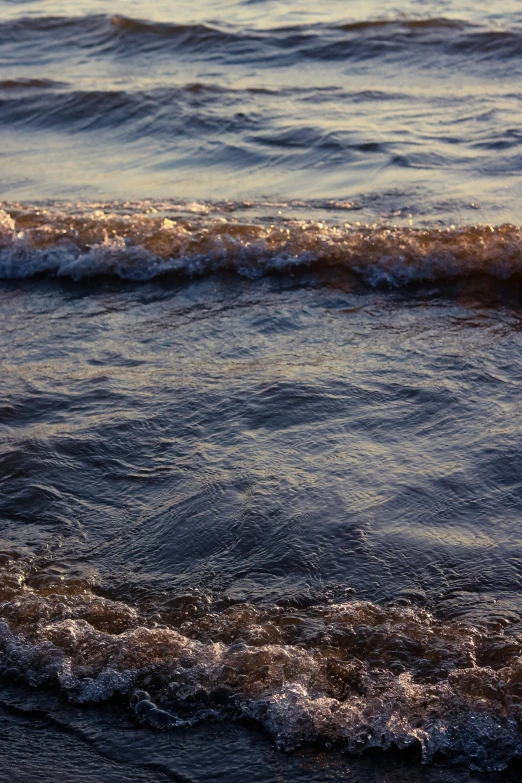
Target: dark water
x=260 y=440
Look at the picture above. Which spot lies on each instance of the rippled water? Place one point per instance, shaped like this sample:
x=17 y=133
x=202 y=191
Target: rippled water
x=416 y=105
x=260 y=295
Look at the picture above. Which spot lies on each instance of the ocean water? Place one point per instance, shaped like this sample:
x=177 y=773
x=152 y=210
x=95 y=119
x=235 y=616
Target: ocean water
x=260 y=419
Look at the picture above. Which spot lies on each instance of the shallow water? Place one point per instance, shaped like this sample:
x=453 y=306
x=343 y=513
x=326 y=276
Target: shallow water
x=291 y=500
x=260 y=295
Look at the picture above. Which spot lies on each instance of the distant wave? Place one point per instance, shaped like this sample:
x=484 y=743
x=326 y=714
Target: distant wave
x=351 y=675
x=29 y=84
x=213 y=124
x=140 y=245
x=102 y=34
x=190 y=108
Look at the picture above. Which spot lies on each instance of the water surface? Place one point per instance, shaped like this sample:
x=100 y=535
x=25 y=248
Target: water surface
x=260 y=295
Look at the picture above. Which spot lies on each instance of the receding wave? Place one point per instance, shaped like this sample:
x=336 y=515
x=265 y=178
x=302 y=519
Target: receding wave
x=196 y=239
x=351 y=675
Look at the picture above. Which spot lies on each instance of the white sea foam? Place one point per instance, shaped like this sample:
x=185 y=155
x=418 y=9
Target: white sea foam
x=371 y=677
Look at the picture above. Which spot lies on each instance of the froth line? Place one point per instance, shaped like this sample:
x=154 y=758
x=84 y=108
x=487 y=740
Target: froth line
x=141 y=247
x=351 y=675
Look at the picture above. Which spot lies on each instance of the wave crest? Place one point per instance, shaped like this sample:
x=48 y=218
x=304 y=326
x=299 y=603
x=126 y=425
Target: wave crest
x=140 y=246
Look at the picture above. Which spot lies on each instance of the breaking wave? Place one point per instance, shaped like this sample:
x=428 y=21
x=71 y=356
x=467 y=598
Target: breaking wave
x=140 y=244
x=351 y=675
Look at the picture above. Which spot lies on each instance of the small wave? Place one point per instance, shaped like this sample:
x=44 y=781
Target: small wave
x=359 y=41
x=435 y=23
x=186 y=110
x=77 y=31
x=83 y=111
x=139 y=246
x=351 y=675
x=29 y=84
x=101 y=32
x=190 y=110
x=191 y=33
